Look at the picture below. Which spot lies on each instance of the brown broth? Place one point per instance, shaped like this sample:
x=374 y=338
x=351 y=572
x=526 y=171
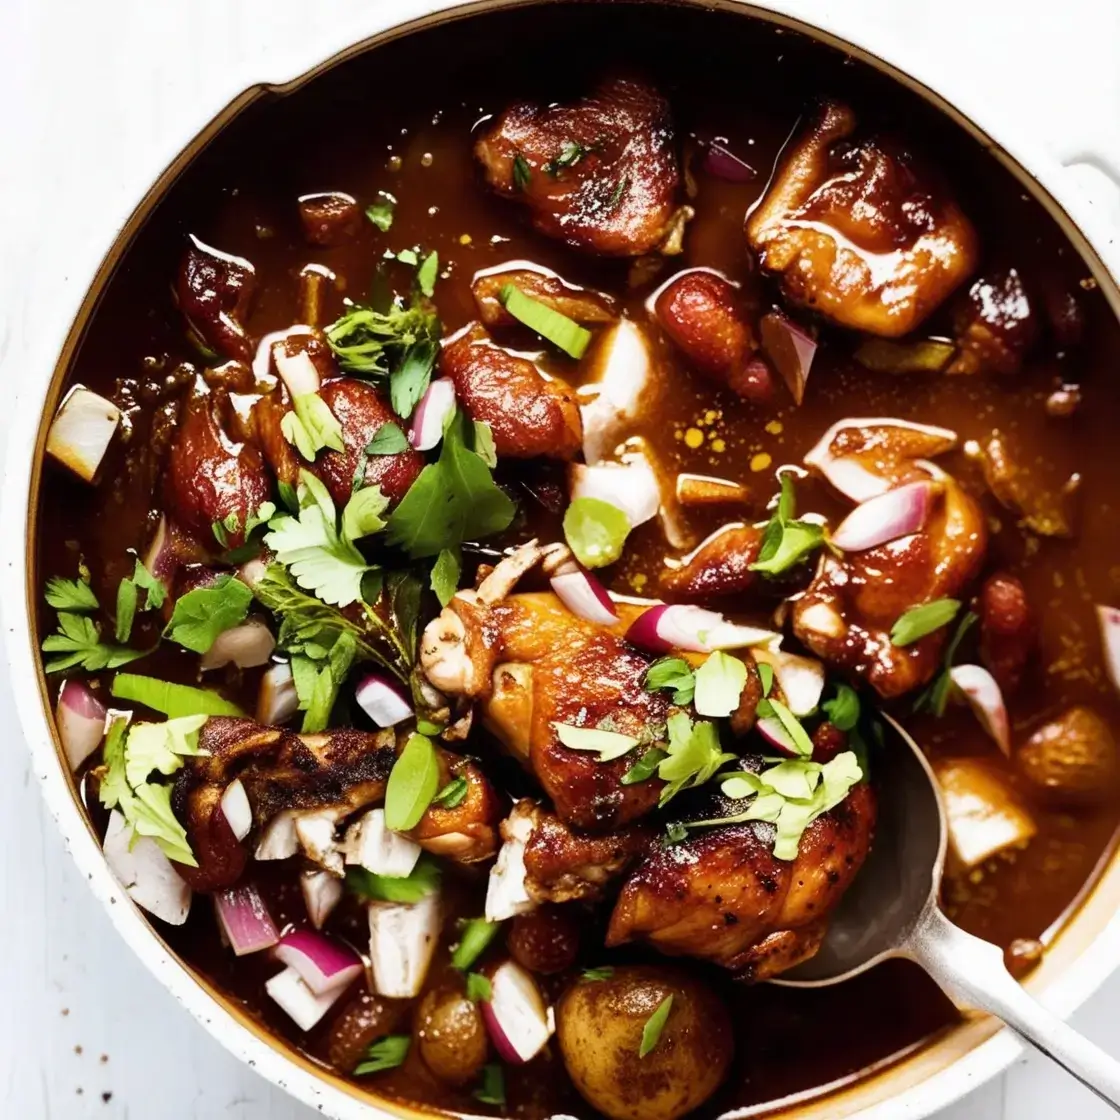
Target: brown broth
x=725 y=76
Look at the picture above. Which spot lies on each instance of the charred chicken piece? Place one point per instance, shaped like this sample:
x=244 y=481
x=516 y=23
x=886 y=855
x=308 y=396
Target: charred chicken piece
x=208 y=475
x=721 y=895
x=214 y=291
x=846 y=615
x=599 y=175
x=579 y=304
x=720 y=566
x=859 y=231
x=329 y=218
x=1008 y=630
x=530 y=413
x=995 y=325
x=702 y=313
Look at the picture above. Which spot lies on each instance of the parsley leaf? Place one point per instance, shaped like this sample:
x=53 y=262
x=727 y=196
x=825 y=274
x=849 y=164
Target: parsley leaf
x=389 y=440
x=484 y=444
x=372 y=342
x=719 y=684
x=386 y=1053
x=786 y=542
x=126 y=609
x=419 y=883
x=380 y=213
x=156 y=591
x=654 y=1025
x=522 y=172
x=445 y=575
x=78 y=644
x=644 y=768
x=428 y=273
x=409 y=381
x=160 y=747
x=843 y=709
x=674 y=673
x=917 y=622
x=694 y=755
x=362 y=515
x=478 y=988
x=204 y=613
x=311 y=426
x=455 y=499
x=73 y=595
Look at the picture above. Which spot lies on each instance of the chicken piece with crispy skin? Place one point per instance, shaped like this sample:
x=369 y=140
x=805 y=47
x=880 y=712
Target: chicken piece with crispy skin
x=858 y=231
x=468 y=831
x=579 y=304
x=600 y=174
x=721 y=895
x=720 y=566
x=530 y=413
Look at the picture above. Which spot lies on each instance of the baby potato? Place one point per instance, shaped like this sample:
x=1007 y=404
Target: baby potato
x=599 y=1028
x=1071 y=760
x=451 y=1036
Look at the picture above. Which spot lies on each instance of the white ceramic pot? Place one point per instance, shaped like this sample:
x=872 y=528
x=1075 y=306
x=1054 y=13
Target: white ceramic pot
x=941 y=1071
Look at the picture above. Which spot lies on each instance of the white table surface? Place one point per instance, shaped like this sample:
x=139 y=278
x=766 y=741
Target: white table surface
x=84 y=1030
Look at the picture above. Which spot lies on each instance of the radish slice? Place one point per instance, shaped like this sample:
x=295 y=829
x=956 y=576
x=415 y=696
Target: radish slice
x=322 y=892
x=986 y=700
x=664 y=628
x=506 y=893
x=723 y=164
x=323 y=964
x=379 y=849
x=773 y=731
x=584 y=595
x=160 y=558
x=848 y=475
x=897 y=513
x=619 y=384
x=238 y=812
x=80 y=717
x=516 y=1015
x=277 y=700
x=402 y=942
x=146 y=874
x=302 y=1005
x=436 y=405
x=382 y=700
x=279 y=839
x=801 y=679
x=246 y=646
x=791 y=350
x=297 y=370
x=245 y=920
x=1109 y=618
x=630 y=486
x=81 y=432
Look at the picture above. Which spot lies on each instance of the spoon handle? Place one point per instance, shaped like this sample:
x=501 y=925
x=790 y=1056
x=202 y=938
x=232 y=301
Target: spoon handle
x=972 y=973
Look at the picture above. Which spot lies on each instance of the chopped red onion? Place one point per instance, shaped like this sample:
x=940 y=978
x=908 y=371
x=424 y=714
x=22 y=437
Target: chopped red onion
x=801 y=679
x=81 y=433
x=897 y=513
x=245 y=920
x=322 y=892
x=80 y=717
x=402 y=942
x=516 y=1015
x=277 y=700
x=161 y=558
x=611 y=397
x=584 y=595
x=370 y=844
x=323 y=964
x=147 y=875
x=436 y=405
x=790 y=348
x=297 y=371
x=774 y=732
x=630 y=486
x=986 y=700
x=237 y=810
x=683 y=627
x=382 y=699
x=506 y=892
x=248 y=645
x=723 y=164
x=302 y=1005
x=1109 y=618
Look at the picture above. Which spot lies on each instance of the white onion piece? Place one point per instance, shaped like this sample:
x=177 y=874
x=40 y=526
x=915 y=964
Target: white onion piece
x=297 y=371
x=516 y=1015
x=801 y=679
x=238 y=812
x=791 y=350
x=680 y=626
x=382 y=700
x=316 y=833
x=279 y=839
x=506 y=893
x=277 y=700
x=774 y=732
x=322 y=892
x=847 y=474
x=146 y=874
x=1109 y=618
x=81 y=433
x=436 y=405
x=619 y=384
x=584 y=596
x=248 y=645
x=302 y=1005
x=245 y=920
x=986 y=700
x=80 y=717
x=324 y=964
x=379 y=849
x=886 y=517
x=262 y=359
x=402 y=942
x=630 y=486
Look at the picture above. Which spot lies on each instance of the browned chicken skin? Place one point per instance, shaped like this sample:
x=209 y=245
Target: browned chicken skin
x=214 y=291
x=579 y=304
x=600 y=174
x=721 y=895
x=529 y=413
x=720 y=566
x=858 y=232
x=995 y=325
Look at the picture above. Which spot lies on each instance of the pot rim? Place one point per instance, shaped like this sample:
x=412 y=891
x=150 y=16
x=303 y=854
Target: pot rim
x=978 y=1050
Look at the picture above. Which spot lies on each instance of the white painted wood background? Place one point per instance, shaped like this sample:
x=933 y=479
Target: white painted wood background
x=89 y=88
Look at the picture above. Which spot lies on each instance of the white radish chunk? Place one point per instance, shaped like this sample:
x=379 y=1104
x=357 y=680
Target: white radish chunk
x=630 y=487
x=277 y=700
x=238 y=812
x=146 y=874
x=1109 y=618
x=81 y=433
x=297 y=371
x=621 y=381
x=402 y=942
x=379 y=849
x=382 y=699
x=516 y=1015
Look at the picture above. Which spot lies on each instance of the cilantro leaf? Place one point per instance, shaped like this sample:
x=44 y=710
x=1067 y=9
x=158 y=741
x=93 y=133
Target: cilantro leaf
x=672 y=673
x=608 y=744
x=654 y=1025
x=935 y=697
x=719 y=684
x=408 y=382
x=156 y=591
x=372 y=342
x=596 y=974
x=204 y=613
x=454 y=793
x=522 y=173
x=843 y=709
x=389 y=440
x=126 y=609
x=694 y=755
x=476 y=936
x=595 y=531
x=445 y=575
x=484 y=444
x=160 y=747
x=78 y=643
x=786 y=542
x=362 y=515
x=412 y=784
x=74 y=595
x=380 y=213
x=478 y=988
x=311 y=426
x=427 y=274
x=644 y=768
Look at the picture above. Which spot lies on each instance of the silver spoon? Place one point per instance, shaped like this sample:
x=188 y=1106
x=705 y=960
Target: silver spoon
x=891 y=910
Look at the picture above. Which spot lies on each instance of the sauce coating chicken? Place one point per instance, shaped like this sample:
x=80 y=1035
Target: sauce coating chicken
x=578 y=304
x=858 y=231
x=215 y=290
x=600 y=174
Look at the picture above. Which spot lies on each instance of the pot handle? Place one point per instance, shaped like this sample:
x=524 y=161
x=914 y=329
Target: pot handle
x=972 y=973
